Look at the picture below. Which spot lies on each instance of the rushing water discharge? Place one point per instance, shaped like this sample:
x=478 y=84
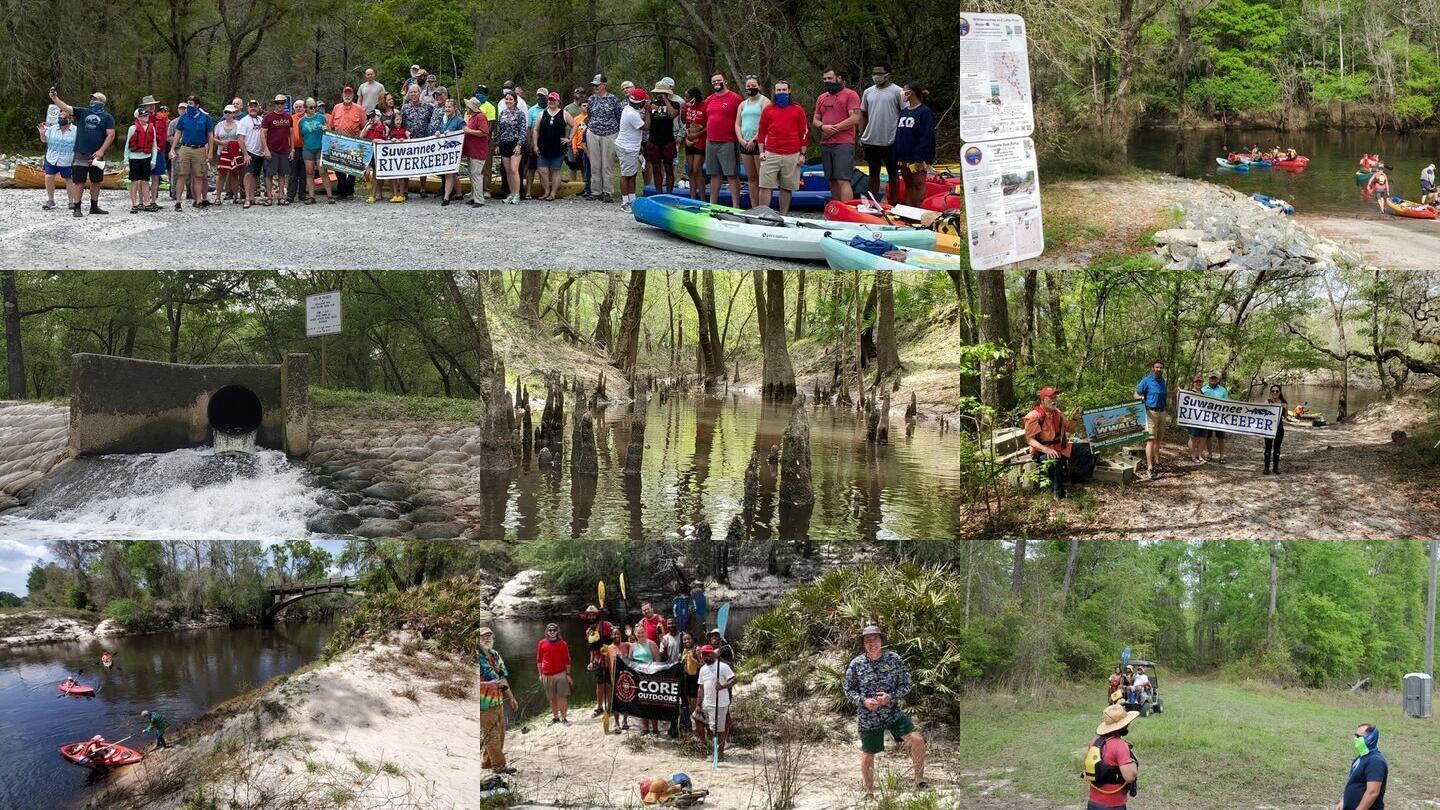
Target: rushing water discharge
x=178 y=674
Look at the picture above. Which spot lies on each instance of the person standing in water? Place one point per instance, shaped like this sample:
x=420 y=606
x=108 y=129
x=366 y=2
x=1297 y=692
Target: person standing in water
x=1378 y=187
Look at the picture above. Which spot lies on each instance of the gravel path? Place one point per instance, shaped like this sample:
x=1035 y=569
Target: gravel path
x=559 y=235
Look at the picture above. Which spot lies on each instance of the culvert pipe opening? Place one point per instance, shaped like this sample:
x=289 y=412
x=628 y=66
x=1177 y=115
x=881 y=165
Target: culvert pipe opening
x=234 y=410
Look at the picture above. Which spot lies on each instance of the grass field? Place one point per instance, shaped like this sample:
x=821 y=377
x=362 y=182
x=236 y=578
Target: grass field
x=1217 y=745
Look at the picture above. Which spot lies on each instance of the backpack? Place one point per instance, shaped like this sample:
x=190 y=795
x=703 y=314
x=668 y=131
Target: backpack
x=1101 y=774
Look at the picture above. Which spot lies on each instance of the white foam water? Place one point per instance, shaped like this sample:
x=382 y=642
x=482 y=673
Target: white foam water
x=180 y=495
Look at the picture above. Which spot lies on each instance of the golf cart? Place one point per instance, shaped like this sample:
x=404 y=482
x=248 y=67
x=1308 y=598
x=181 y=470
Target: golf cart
x=1147 y=701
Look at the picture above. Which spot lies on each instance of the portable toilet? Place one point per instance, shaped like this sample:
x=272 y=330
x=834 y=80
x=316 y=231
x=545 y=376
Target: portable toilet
x=1417 y=695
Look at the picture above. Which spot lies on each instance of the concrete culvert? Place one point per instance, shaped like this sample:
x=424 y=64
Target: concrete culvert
x=234 y=409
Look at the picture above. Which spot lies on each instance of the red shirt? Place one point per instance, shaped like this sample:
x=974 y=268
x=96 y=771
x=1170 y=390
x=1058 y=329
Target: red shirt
x=477 y=146
x=161 y=120
x=1114 y=752
x=694 y=117
x=277 y=132
x=655 y=623
x=784 y=130
x=720 y=111
x=834 y=108
x=553 y=656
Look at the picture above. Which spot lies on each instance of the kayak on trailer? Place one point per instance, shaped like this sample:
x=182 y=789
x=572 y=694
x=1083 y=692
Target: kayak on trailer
x=763 y=232
x=1274 y=203
x=1401 y=207
x=856 y=252
x=72 y=687
x=115 y=756
x=1225 y=164
x=1298 y=162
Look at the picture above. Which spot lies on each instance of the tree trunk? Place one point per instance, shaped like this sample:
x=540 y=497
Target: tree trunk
x=708 y=369
x=14 y=349
x=1052 y=289
x=711 y=323
x=1274 y=591
x=1069 y=573
x=532 y=283
x=779 y=374
x=1430 y=609
x=1017 y=569
x=996 y=387
x=604 y=330
x=475 y=327
x=887 y=354
x=629 y=337
x=1027 y=316
x=800 y=307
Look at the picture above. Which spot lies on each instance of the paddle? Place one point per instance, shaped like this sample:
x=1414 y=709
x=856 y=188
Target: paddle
x=722 y=618
x=889 y=220
x=605 y=643
x=700 y=606
x=680 y=607
x=108 y=748
x=76 y=678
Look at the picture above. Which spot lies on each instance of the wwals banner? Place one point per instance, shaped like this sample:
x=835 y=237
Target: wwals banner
x=423 y=156
x=648 y=689
x=342 y=153
x=1114 y=424
x=1251 y=419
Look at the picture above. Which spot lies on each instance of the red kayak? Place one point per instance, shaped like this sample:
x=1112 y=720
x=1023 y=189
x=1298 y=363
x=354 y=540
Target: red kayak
x=115 y=755
x=945 y=201
x=851 y=211
x=77 y=688
x=1299 y=162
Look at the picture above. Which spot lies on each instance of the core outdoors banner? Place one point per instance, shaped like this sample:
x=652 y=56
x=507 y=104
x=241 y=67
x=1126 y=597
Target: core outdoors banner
x=1199 y=411
x=439 y=154
x=648 y=689
x=342 y=153
x=1114 y=424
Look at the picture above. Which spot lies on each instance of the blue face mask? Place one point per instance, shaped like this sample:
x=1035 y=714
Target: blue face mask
x=481 y=97
x=97 y=106
x=782 y=99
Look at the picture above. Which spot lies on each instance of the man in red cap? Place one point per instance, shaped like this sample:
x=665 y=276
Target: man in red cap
x=348 y=118
x=1047 y=433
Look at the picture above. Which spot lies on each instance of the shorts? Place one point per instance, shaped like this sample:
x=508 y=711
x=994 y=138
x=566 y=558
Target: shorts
x=162 y=161
x=754 y=150
x=689 y=685
x=556 y=686
x=1199 y=433
x=191 y=162
x=508 y=149
x=312 y=155
x=631 y=163
x=81 y=172
x=550 y=162
x=780 y=171
x=140 y=170
x=838 y=160
x=277 y=165
x=256 y=165
x=715 y=717
x=1155 y=424
x=659 y=153
x=722 y=159
x=51 y=169
x=1381 y=193
x=872 y=740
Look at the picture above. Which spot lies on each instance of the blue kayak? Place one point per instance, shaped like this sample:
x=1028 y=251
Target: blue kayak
x=1225 y=164
x=1274 y=203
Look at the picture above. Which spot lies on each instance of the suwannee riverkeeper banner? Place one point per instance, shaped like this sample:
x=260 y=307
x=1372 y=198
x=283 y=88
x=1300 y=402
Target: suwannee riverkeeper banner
x=1252 y=419
x=439 y=154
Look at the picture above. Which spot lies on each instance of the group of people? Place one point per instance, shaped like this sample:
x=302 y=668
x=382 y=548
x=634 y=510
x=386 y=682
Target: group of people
x=1377 y=186
x=271 y=153
x=97 y=750
x=1127 y=684
x=876 y=681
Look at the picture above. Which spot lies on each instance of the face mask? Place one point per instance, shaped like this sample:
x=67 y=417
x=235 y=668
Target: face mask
x=832 y=87
x=754 y=91
x=878 y=79
x=782 y=99
x=481 y=97
x=97 y=106
x=718 y=87
x=1361 y=749
x=64 y=122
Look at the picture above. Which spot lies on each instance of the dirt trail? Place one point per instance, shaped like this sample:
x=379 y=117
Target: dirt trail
x=1339 y=482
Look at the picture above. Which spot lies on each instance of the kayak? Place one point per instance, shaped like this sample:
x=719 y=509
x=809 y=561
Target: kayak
x=1362 y=176
x=864 y=213
x=841 y=255
x=77 y=689
x=945 y=201
x=27 y=176
x=802 y=200
x=117 y=755
x=1225 y=164
x=1274 y=203
x=1404 y=208
x=1299 y=162
x=764 y=233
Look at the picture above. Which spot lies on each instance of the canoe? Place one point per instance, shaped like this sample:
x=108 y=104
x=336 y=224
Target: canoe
x=1298 y=163
x=802 y=200
x=118 y=755
x=1362 y=176
x=78 y=689
x=1273 y=203
x=27 y=176
x=764 y=234
x=1225 y=164
x=841 y=255
x=1404 y=208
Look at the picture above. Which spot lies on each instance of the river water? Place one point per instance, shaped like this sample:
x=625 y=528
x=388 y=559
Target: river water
x=1326 y=186
x=178 y=674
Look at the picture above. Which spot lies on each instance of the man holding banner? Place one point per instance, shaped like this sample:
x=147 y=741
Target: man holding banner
x=348 y=119
x=1047 y=433
x=1215 y=390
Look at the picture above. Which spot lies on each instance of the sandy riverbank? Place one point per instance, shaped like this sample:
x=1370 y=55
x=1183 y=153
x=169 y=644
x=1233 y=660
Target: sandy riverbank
x=383 y=726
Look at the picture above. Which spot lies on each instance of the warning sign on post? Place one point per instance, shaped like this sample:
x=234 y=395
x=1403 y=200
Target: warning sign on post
x=1002 y=202
x=994 y=78
x=322 y=314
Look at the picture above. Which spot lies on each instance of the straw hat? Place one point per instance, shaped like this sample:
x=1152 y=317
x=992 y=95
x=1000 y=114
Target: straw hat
x=472 y=104
x=1113 y=719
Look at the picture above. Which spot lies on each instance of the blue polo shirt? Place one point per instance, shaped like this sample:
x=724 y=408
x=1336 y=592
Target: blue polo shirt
x=1153 y=389
x=194 y=128
x=1369 y=768
x=1216 y=391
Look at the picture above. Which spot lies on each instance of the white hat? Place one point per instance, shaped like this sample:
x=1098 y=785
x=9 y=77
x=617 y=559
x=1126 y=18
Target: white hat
x=230 y=108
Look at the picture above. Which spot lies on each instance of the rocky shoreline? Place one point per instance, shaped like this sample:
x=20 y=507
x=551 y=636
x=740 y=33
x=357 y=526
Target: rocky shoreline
x=50 y=628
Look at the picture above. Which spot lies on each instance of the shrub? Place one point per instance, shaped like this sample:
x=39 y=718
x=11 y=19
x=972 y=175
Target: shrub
x=445 y=613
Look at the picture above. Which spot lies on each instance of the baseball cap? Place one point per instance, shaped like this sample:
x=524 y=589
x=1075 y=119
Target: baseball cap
x=252 y=101
x=348 y=89
x=871 y=630
x=230 y=108
x=279 y=98
x=139 y=111
x=599 y=79
x=638 y=94
x=707 y=649
x=554 y=95
x=1047 y=391
x=98 y=96
x=480 y=88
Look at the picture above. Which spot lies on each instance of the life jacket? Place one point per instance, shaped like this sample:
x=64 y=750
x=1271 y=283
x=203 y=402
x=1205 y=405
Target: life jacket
x=143 y=139
x=1102 y=775
x=1057 y=440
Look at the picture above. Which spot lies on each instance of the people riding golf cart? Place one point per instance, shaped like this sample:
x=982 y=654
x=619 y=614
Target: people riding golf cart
x=1143 y=695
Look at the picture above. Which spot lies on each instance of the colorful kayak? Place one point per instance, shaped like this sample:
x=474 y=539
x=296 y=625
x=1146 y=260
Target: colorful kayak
x=1297 y=163
x=840 y=254
x=114 y=755
x=78 y=689
x=802 y=200
x=1362 y=176
x=1404 y=208
x=1225 y=164
x=762 y=233
x=1274 y=203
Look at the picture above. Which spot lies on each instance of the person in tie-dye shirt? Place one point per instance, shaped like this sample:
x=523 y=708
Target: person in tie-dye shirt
x=494 y=692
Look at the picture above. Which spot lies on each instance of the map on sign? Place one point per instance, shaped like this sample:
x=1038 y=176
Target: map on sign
x=995 y=97
x=322 y=314
x=1002 y=202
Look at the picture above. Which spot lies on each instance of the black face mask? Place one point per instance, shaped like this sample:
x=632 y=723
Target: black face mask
x=754 y=91
x=832 y=87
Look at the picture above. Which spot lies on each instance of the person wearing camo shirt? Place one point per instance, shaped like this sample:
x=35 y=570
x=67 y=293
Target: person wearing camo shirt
x=601 y=128
x=875 y=681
